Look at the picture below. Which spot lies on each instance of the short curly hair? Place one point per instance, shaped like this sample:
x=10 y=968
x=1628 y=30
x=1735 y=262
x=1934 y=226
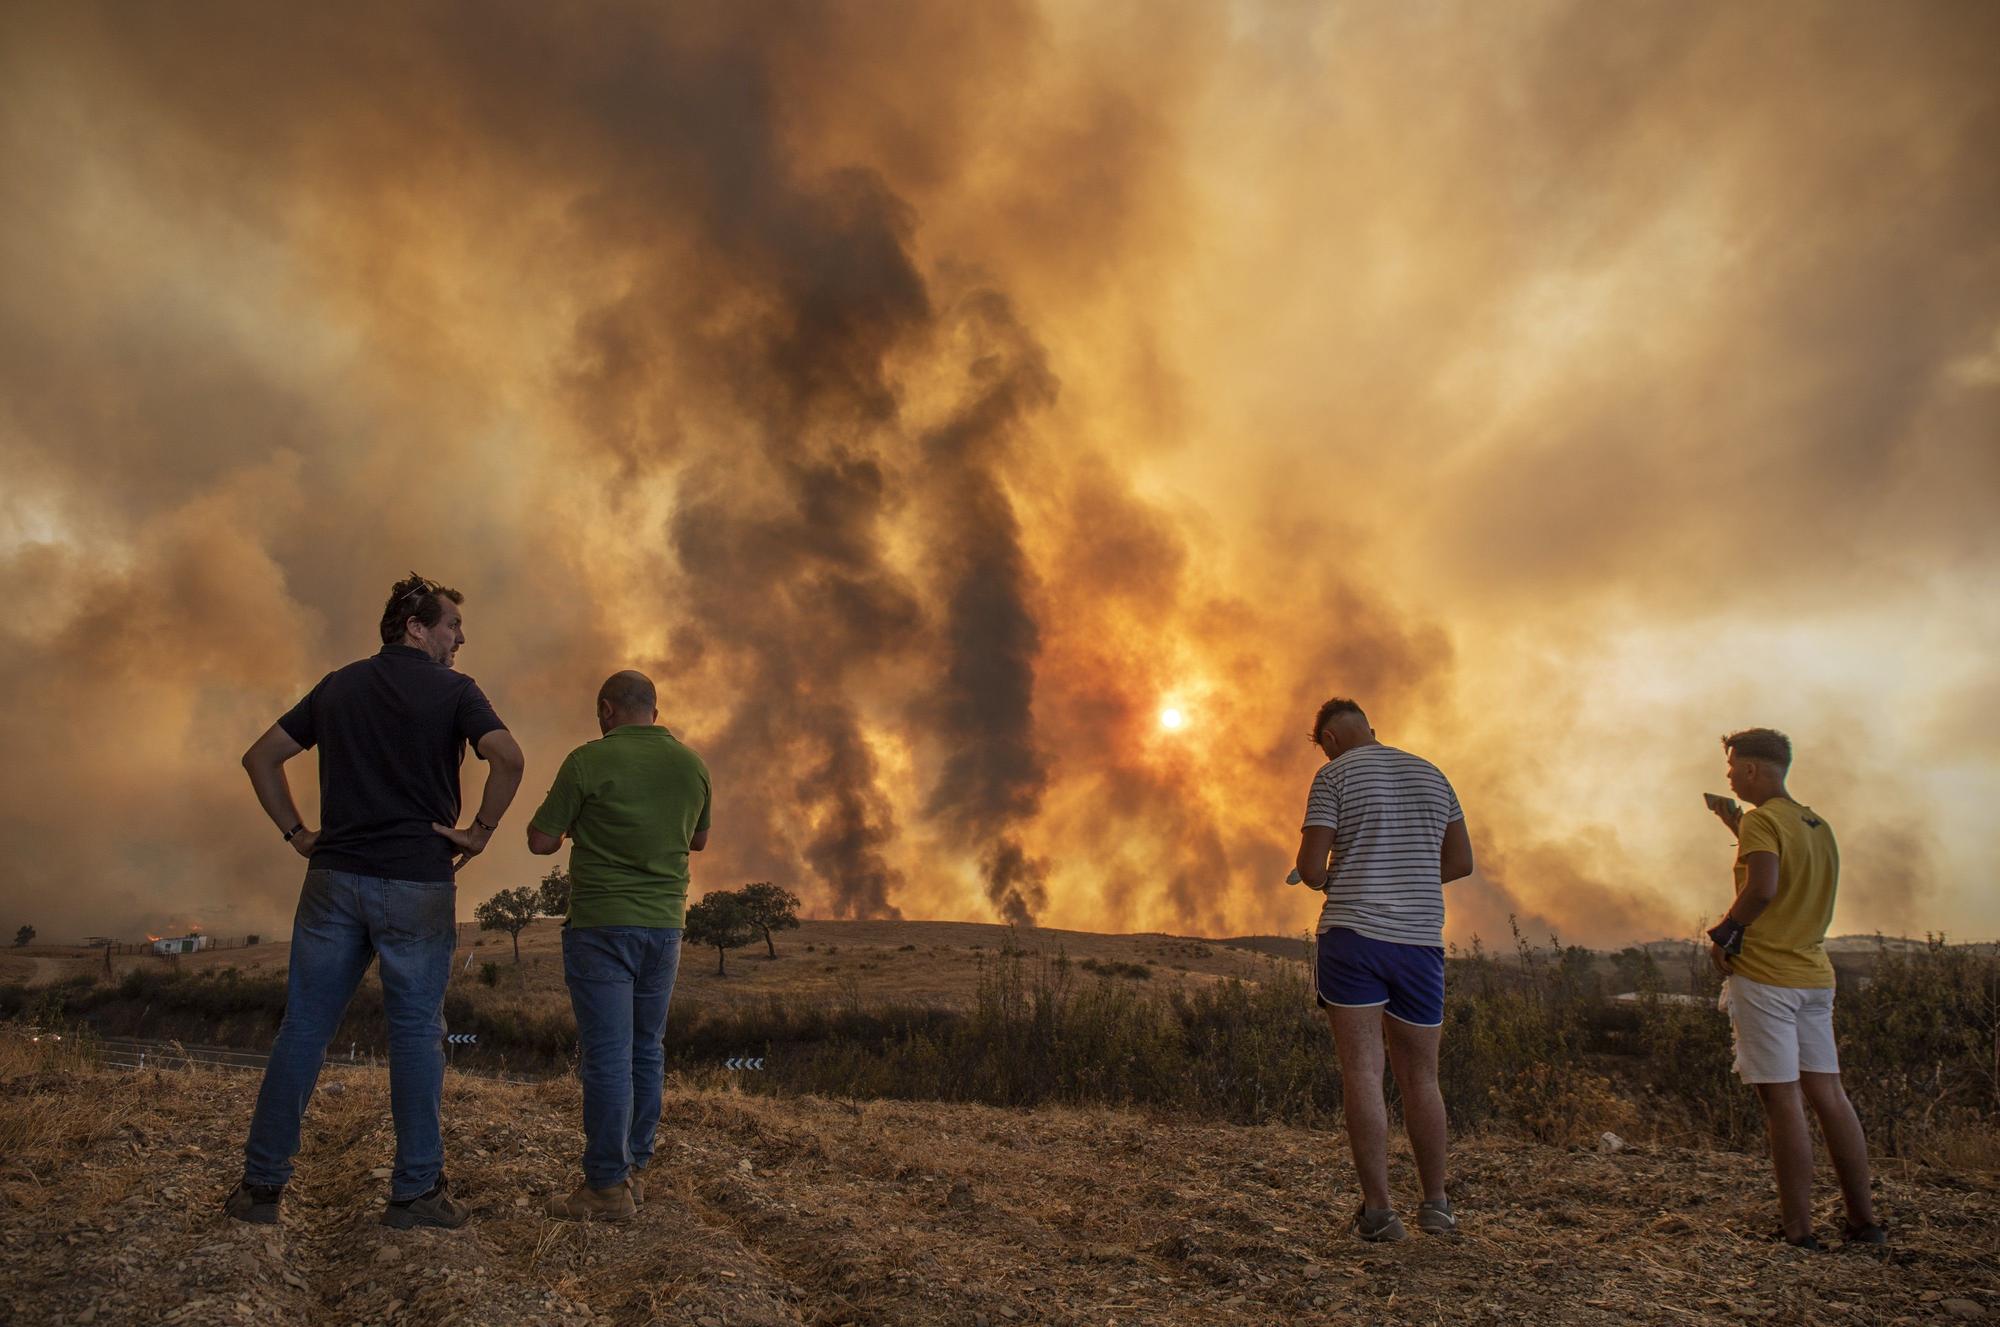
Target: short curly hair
x=1764 y=744
x=417 y=597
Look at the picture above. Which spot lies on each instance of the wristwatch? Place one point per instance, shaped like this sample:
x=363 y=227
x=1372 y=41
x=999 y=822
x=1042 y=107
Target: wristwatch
x=1728 y=935
x=477 y=823
x=295 y=831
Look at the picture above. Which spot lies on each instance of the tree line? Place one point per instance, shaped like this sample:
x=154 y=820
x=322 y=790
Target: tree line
x=724 y=918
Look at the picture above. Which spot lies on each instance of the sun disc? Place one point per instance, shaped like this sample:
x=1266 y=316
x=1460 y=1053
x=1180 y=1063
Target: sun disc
x=1172 y=719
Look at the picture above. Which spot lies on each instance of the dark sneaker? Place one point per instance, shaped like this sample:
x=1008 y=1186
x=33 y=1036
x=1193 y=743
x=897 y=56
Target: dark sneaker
x=1435 y=1218
x=587 y=1204
x=1808 y=1241
x=1874 y=1236
x=436 y=1208
x=1383 y=1227
x=255 y=1203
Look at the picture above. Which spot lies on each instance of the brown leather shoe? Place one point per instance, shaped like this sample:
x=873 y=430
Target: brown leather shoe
x=636 y=1181
x=587 y=1204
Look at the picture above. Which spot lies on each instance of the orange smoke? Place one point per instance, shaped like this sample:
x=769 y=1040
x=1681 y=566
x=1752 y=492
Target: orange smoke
x=929 y=403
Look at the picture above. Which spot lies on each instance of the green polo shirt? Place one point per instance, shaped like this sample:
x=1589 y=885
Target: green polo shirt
x=629 y=803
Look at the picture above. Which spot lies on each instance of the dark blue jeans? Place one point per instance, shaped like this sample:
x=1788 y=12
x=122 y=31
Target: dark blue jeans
x=343 y=922
x=620 y=979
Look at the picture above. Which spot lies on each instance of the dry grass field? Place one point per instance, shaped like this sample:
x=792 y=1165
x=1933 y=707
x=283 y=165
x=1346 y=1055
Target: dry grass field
x=876 y=1175
x=809 y=1210
x=910 y=962
x=922 y=963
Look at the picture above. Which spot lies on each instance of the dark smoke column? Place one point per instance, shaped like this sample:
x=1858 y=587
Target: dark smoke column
x=993 y=774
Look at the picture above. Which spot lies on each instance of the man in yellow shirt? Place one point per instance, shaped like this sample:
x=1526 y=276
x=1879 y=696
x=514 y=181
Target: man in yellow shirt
x=1778 y=983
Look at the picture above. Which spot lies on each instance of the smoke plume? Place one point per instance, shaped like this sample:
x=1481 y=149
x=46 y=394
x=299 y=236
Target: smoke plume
x=928 y=398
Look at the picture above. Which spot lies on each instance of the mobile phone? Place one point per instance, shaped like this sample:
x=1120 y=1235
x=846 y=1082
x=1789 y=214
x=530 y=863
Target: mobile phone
x=1718 y=803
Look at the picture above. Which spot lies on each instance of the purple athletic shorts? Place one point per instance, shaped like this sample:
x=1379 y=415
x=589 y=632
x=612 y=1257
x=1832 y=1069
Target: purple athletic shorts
x=1357 y=972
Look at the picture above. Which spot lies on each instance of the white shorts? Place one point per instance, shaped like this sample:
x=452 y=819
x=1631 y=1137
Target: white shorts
x=1780 y=1030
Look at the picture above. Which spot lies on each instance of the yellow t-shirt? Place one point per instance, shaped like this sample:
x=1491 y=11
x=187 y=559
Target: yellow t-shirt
x=1786 y=945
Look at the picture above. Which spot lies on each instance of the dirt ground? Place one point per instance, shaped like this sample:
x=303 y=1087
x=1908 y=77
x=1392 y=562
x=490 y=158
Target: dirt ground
x=766 y=1211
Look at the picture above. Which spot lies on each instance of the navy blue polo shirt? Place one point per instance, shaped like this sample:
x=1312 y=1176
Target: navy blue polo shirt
x=391 y=732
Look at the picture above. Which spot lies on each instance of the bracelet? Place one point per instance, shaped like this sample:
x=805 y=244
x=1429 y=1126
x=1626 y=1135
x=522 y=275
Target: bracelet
x=477 y=823
x=295 y=831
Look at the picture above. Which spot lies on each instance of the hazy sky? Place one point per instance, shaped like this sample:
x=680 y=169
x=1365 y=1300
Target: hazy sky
x=927 y=396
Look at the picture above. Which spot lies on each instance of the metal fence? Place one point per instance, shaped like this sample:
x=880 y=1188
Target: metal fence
x=120 y=948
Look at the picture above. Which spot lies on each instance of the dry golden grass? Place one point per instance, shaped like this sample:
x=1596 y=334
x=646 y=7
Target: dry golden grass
x=768 y=1211
x=932 y=964
x=926 y=963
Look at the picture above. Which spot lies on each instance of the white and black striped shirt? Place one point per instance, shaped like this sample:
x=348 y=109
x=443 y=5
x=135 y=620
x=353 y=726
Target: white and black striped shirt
x=1387 y=810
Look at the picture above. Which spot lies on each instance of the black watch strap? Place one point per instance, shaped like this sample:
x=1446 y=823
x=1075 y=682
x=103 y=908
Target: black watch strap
x=295 y=831
x=481 y=824
x=1728 y=935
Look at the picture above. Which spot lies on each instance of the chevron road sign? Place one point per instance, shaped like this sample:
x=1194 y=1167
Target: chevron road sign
x=462 y=1038
x=742 y=1062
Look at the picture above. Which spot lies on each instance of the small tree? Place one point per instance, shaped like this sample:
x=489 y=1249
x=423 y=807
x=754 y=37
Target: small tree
x=772 y=908
x=721 y=919
x=24 y=936
x=510 y=910
x=1636 y=969
x=552 y=899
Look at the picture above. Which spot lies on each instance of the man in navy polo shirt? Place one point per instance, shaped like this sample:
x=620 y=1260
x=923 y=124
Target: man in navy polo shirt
x=391 y=731
x=1392 y=827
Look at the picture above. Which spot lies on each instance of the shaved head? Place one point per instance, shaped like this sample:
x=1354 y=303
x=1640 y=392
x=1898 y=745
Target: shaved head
x=630 y=693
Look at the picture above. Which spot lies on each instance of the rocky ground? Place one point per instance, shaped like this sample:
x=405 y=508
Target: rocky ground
x=766 y=1211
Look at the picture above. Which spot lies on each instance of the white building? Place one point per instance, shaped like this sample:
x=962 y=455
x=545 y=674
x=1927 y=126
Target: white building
x=181 y=944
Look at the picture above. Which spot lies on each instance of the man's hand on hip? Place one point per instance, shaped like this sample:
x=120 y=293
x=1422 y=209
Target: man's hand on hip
x=470 y=842
x=1719 y=957
x=303 y=841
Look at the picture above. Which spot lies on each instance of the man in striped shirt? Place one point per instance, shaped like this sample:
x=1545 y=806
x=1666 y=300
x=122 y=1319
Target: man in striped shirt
x=1383 y=833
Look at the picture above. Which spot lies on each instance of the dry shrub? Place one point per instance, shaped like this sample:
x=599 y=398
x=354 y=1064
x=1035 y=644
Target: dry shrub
x=1530 y=1041
x=1920 y=1045
x=1971 y=1147
x=1561 y=1104
x=40 y=1118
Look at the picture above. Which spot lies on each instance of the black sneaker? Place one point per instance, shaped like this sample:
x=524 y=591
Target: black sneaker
x=1808 y=1241
x=1874 y=1236
x=435 y=1208
x=255 y=1203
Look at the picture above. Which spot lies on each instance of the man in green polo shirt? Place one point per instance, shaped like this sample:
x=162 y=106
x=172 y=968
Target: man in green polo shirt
x=633 y=804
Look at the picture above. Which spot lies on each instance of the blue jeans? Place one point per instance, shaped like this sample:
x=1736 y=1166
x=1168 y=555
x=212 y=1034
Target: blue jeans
x=620 y=979
x=344 y=921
